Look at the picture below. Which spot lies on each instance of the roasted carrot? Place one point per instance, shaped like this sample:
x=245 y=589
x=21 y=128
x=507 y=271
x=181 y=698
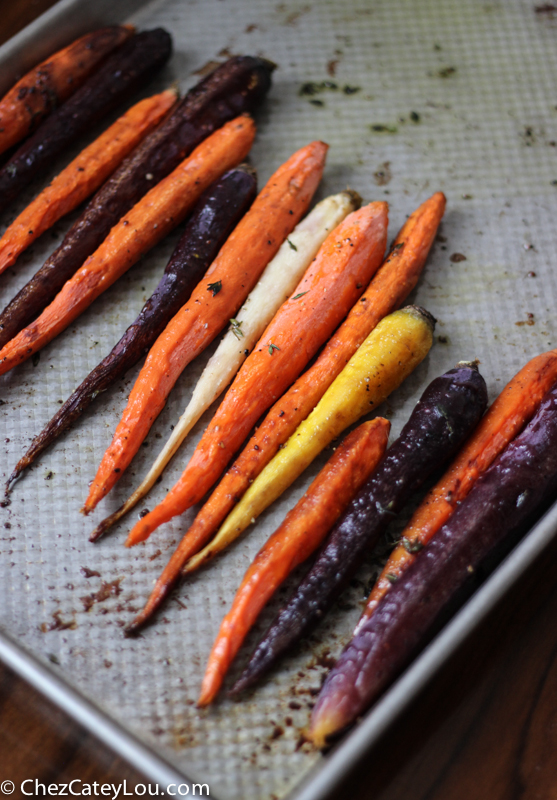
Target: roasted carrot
x=123 y=72
x=256 y=239
x=52 y=81
x=83 y=175
x=164 y=207
x=212 y=219
x=388 y=289
x=302 y=531
x=389 y=354
x=515 y=406
x=277 y=282
x=328 y=289
x=236 y=87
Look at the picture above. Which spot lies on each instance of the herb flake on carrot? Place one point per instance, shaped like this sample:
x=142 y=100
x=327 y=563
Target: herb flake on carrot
x=252 y=244
x=83 y=175
x=164 y=207
x=52 y=81
x=302 y=531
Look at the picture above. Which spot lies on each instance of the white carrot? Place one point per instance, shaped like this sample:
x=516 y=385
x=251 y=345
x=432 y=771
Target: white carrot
x=281 y=276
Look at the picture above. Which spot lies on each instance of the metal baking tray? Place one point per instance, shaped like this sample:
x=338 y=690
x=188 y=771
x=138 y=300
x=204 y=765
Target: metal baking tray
x=421 y=96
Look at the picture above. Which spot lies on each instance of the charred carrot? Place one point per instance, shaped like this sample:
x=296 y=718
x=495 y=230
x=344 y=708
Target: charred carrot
x=388 y=355
x=328 y=289
x=215 y=214
x=482 y=529
x=302 y=531
x=232 y=275
x=83 y=175
x=237 y=86
x=388 y=289
x=52 y=81
x=278 y=280
x=164 y=207
x=515 y=406
x=448 y=409
x=122 y=73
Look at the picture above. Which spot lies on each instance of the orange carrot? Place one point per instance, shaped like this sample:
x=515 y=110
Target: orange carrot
x=52 y=81
x=302 y=531
x=84 y=175
x=386 y=292
x=156 y=214
x=515 y=406
x=330 y=286
x=233 y=274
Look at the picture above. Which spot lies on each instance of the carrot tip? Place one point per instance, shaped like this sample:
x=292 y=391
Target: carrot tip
x=323 y=729
x=98 y=532
x=133 y=628
x=204 y=700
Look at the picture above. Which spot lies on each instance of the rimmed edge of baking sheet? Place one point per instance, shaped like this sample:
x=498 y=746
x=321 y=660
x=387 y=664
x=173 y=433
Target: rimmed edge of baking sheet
x=64 y=21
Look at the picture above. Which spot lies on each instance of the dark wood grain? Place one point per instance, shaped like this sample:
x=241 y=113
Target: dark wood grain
x=38 y=741
x=486 y=726
x=16 y=14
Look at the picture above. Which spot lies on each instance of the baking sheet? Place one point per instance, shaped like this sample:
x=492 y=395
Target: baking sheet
x=440 y=95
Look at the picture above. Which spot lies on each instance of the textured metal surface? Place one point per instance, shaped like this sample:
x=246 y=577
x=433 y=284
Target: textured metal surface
x=430 y=95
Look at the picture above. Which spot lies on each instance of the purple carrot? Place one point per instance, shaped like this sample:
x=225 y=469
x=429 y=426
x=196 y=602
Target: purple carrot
x=237 y=86
x=504 y=498
x=448 y=410
x=215 y=215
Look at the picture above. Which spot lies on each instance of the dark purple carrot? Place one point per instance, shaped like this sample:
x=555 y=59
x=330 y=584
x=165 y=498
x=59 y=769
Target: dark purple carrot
x=237 y=86
x=446 y=413
x=215 y=215
x=483 y=526
x=122 y=73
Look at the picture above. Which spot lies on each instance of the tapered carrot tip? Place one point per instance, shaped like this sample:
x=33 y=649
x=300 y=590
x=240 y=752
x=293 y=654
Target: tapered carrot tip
x=212 y=681
x=332 y=712
x=144 y=527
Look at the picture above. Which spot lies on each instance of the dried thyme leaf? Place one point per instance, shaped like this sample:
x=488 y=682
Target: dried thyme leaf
x=412 y=547
x=214 y=287
x=235 y=327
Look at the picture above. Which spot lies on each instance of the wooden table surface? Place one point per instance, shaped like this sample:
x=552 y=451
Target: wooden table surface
x=486 y=727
